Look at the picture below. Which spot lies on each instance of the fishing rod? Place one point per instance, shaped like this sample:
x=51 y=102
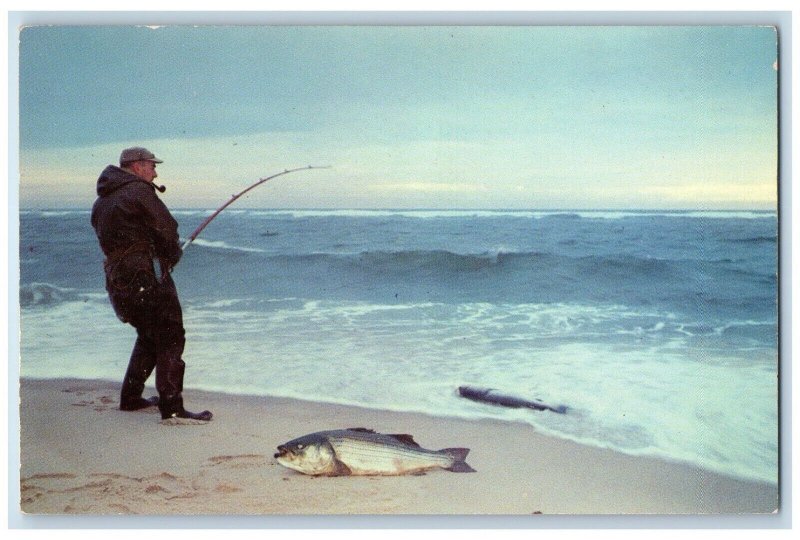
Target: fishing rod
x=208 y=220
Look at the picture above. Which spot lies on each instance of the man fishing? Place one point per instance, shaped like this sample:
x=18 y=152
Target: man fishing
x=139 y=238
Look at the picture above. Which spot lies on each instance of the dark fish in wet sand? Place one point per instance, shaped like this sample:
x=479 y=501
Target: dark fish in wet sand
x=360 y=451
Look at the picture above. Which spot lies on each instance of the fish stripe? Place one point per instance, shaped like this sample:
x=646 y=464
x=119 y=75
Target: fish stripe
x=365 y=455
x=378 y=447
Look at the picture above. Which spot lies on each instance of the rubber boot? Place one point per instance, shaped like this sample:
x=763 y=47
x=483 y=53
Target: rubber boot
x=173 y=413
x=139 y=369
x=138 y=404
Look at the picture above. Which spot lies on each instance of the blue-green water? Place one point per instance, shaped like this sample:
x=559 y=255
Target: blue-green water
x=657 y=330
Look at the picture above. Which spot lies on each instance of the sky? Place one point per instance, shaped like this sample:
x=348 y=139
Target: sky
x=512 y=117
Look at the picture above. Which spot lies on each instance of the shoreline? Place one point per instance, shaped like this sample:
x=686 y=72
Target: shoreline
x=81 y=455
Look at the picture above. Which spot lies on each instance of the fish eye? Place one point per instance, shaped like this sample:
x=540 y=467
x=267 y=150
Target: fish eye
x=300 y=446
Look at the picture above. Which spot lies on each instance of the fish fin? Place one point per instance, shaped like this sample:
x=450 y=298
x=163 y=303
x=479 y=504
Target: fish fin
x=460 y=466
x=340 y=469
x=405 y=439
x=361 y=429
x=458 y=455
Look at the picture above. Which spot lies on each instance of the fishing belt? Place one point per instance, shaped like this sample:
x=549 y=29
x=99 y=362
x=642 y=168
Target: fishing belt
x=115 y=257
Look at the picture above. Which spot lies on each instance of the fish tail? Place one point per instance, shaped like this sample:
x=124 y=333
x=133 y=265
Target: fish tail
x=459 y=456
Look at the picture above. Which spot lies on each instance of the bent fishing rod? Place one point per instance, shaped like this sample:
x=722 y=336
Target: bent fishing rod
x=210 y=218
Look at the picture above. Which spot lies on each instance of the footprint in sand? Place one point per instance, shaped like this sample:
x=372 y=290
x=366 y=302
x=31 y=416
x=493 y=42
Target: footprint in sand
x=79 y=390
x=227 y=488
x=115 y=476
x=239 y=461
x=107 y=493
x=93 y=404
x=104 y=401
x=113 y=493
x=91 y=486
x=218 y=470
x=42 y=476
x=82 y=403
x=30 y=494
x=100 y=403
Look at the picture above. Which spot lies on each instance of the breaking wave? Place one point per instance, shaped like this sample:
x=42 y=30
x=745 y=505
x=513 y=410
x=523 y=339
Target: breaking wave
x=219 y=244
x=44 y=294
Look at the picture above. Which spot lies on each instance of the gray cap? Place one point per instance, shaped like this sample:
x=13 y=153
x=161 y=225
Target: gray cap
x=137 y=153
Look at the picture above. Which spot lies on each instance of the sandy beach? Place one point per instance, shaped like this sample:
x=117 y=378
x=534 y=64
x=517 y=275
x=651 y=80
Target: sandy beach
x=81 y=455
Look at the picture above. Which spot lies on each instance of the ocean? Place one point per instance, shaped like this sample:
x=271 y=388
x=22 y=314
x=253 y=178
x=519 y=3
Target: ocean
x=657 y=330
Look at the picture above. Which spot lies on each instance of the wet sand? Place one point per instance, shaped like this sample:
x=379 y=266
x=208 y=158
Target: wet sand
x=81 y=455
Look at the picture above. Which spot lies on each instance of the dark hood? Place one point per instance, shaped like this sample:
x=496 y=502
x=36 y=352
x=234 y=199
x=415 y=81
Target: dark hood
x=128 y=212
x=112 y=178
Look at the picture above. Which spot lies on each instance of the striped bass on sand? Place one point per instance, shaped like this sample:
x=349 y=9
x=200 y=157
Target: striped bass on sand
x=361 y=451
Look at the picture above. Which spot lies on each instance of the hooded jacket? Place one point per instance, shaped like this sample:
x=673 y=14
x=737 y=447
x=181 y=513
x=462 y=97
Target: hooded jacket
x=133 y=225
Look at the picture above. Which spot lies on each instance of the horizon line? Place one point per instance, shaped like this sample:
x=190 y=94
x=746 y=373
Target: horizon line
x=425 y=209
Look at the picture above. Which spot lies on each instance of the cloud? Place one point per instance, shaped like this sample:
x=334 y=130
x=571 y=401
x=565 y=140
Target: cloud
x=581 y=168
